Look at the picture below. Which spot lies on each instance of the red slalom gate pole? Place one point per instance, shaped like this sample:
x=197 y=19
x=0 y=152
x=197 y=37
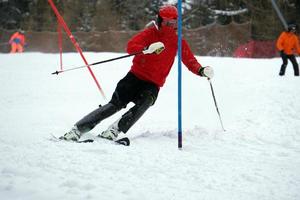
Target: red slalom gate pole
x=60 y=45
x=67 y=30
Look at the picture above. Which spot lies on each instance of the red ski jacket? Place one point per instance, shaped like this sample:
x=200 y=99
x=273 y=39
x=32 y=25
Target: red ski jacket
x=155 y=68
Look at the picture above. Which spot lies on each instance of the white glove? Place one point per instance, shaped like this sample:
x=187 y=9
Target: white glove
x=206 y=72
x=156 y=47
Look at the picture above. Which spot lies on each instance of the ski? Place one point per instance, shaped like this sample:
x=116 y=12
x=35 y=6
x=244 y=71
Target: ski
x=122 y=141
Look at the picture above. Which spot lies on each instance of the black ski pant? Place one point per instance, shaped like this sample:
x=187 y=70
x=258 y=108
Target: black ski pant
x=293 y=60
x=129 y=89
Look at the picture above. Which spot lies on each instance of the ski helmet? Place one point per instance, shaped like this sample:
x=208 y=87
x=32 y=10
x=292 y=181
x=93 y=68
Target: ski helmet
x=292 y=27
x=168 y=12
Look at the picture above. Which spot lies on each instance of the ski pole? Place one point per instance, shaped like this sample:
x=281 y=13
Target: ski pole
x=97 y=63
x=213 y=94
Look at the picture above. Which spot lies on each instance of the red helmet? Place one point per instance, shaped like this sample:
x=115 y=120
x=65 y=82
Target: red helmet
x=168 y=12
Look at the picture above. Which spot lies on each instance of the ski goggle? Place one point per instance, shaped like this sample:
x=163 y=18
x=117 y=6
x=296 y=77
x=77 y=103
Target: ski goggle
x=170 y=22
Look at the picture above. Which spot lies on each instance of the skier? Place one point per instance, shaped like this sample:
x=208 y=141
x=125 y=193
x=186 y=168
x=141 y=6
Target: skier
x=17 y=42
x=147 y=74
x=288 y=44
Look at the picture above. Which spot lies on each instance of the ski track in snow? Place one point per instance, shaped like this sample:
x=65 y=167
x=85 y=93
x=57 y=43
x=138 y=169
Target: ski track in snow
x=257 y=157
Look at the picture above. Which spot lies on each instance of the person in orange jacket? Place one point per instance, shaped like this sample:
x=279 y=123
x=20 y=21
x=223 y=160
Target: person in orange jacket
x=288 y=45
x=17 y=42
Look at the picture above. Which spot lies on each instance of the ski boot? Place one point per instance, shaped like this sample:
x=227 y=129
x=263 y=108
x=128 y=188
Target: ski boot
x=73 y=135
x=112 y=132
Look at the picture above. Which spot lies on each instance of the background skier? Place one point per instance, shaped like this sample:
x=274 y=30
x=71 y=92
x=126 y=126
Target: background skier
x=288 y=45
x=147 y=74
x=17 y=42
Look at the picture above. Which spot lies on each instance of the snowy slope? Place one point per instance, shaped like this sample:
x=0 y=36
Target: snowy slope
x=258 y=157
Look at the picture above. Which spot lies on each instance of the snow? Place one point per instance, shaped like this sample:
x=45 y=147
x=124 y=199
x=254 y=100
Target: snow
x=257 y=157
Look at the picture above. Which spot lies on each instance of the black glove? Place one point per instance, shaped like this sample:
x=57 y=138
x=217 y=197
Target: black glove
x=206 y=72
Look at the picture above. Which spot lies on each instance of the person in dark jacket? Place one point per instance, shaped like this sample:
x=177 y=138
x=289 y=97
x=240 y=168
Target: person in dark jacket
x=147 y=75
x=288 y=45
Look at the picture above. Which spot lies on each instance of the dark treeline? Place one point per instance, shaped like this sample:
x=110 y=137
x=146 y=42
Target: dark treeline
x=102 y=15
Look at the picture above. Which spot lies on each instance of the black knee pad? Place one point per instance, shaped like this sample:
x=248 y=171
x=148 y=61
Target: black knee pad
x=145 y=97
x=116 y=100
x=143 y=101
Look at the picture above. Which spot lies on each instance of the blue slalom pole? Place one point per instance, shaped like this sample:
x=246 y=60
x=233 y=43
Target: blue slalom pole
x=179 y=75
